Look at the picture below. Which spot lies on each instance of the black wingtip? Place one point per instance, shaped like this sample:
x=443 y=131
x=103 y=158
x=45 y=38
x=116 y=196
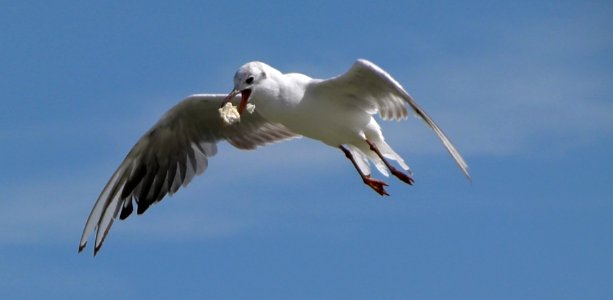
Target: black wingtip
x=142 y=207
x=81 y=247
x=126 y=210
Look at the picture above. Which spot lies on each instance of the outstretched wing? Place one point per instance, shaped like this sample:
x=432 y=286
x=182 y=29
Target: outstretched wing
x=170 y=154
x=373 y=90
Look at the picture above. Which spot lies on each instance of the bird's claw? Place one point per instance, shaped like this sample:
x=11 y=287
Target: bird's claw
x=377 y=185
x=403 y=177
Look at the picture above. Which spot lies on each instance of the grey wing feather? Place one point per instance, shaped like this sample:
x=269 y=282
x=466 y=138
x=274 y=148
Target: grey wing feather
x=169 y=155
x=375 y=91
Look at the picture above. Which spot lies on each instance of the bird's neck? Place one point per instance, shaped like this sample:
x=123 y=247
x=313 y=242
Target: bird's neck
x=280 y=96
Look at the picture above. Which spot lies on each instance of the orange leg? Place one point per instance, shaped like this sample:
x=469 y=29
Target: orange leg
x=399 y=174
x=377 y=185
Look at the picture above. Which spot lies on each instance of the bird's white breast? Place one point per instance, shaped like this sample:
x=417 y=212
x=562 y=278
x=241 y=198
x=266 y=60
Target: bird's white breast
x=311 y=115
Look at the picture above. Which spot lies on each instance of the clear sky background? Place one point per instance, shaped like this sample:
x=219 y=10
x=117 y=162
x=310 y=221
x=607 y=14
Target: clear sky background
x=522 y=87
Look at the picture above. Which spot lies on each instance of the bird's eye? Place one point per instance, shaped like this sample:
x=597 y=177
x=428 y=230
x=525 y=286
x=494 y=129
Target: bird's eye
x=249 y=80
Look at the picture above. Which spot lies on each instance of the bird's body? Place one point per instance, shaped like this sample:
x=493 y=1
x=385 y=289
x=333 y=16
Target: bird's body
x=308 y=114
x=337 y=111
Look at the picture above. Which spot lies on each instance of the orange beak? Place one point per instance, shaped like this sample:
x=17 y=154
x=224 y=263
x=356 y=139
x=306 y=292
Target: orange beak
x=244 y=99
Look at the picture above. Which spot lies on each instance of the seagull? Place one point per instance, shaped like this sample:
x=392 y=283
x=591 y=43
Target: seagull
x=338 y=112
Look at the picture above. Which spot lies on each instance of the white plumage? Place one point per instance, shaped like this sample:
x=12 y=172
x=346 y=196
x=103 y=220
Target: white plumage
x=337 y=111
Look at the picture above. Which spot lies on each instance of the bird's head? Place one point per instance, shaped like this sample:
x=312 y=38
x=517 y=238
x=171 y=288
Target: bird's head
x=248 y=78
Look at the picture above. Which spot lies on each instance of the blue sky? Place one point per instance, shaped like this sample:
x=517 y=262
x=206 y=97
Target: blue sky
x=522 y=87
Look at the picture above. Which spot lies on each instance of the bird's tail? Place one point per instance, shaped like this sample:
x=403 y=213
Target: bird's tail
x=363 y=155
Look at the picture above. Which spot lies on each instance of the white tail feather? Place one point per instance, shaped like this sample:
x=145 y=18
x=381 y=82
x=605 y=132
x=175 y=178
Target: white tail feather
x=360 y=158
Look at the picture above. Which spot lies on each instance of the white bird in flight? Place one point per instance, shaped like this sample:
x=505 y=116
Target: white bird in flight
x=337 y=111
